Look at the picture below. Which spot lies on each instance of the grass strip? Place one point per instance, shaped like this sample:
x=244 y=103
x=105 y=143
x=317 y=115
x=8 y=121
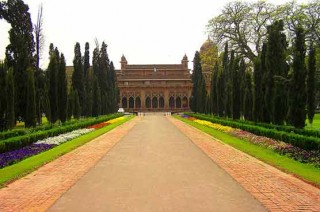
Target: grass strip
x=306 y=172
x=22 y=168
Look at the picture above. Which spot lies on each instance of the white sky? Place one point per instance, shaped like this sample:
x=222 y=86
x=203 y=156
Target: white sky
x=145 y=31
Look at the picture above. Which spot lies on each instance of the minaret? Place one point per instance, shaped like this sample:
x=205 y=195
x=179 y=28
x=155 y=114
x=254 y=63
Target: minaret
x=123 y=62
x=184 y=62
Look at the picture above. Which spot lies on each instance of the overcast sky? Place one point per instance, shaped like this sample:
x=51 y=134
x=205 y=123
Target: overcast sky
x=145 y=31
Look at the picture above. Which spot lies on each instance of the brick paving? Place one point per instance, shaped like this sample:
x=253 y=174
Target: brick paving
x=40 y=189
x=276 y=190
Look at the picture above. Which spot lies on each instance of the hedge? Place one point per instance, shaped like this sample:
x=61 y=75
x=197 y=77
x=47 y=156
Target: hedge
x=24 y=140
x=304 y=142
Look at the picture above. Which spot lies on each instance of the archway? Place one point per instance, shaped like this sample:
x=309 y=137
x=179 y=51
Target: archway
x=185 y=102
x=161 y=102
x=154 y=102
x=148 y=102
x=171 y=102
x=138 y=102
x=131 y=102
x=124 y=102
x=178 y=102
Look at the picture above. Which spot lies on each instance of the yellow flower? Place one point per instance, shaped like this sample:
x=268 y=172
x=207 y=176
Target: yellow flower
x=214 y=125
x=115 y=120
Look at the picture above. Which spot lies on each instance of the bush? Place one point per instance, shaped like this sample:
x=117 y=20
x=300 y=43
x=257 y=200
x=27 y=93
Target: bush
x=302 y=141
x=17 y=142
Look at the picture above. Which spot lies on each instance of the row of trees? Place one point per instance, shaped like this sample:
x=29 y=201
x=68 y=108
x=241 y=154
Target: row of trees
x=26 y=91
x=278 y=88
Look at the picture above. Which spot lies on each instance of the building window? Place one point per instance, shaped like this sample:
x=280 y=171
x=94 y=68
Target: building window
x=138 y=102
x=171 y=102
x=161 y=102
x=148 y=102
x=124 y=102
x=131 y=102
x=126 y=83
x=185 y=102
x=154 y=102
x=178 y=102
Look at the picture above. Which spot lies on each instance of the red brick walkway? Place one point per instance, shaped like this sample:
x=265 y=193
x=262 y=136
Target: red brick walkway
x=40 y=189
x=276 y=190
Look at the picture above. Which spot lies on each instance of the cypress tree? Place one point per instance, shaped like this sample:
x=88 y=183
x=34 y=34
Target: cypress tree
x=297 y=92
x=225 y=78
x=220 y=92
x=78 y=75
x=311 y=84
x=276 y=92
x=30 y=120
x=11 y=122
x=77 y=107
x=242 y=82
x=196 y=101
x=214 y=89
x=104 y=79
x=53 y=69
x=96 y=95
x=19 y=53
x=236 y=90
x=258 y=74
x=62 y=90
x=229 y=85
x=86 y=60
x=87 y=81
x=248 y=97
x=70 y=107
x=3 y=96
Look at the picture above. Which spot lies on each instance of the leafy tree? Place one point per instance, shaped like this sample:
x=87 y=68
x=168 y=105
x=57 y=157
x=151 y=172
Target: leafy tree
x=62 y=90
x=86 y=60
x=11 y=122
x=30 y=120
x=242 y=78
x=225 y=78
x=19 y=53
x=311 y=84
x=229 y=85
x=104 y=79
x=214 y=89
x=297 y=113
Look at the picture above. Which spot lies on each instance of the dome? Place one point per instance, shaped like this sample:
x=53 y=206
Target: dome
x=207 y=45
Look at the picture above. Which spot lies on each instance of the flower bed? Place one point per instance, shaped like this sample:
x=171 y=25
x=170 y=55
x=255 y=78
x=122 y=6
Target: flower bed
x=299 y=154
x=14 y=156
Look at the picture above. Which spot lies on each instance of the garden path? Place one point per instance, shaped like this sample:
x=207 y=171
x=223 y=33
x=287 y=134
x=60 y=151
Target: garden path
x=155 y=167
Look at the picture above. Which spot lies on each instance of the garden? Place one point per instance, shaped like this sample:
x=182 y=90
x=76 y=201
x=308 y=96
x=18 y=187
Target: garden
x=24 y=150
x=296 y=151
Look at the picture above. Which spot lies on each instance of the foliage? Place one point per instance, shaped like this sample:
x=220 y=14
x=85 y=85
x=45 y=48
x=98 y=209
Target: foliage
x=311 y=84
x=304 y=142
x=30 y=120
x=297 y=99
x=62 y=90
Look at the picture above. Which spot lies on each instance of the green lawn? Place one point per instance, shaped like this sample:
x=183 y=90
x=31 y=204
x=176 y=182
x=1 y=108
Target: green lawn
x=28 y=165
x=307 y=172
x=315 y=123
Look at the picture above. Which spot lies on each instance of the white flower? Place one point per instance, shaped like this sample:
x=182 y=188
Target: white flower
x=57 y=140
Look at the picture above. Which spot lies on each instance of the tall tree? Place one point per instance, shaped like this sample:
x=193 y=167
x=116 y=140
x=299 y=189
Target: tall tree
x=39 y=44
x=277 y=68
x=248 y=97
x=11 y=122
x=96 y=95
x=225 y=78
x=214 y=89
x=3 y=96
x=198 y=95
x=70 y=107
x=62 y=90
x=104 y=79
x=236 y=89
x=242 y=83
x=53 y=70
x=78 y=75
x=297 y=112
x=77 y=106
x=19 y=53
x=311 y=84
x=30 y=120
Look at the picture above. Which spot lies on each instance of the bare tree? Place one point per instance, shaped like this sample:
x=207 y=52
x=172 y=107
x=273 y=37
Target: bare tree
x=39 y=37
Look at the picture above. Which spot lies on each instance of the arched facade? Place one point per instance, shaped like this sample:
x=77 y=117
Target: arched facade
x=160 y=87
